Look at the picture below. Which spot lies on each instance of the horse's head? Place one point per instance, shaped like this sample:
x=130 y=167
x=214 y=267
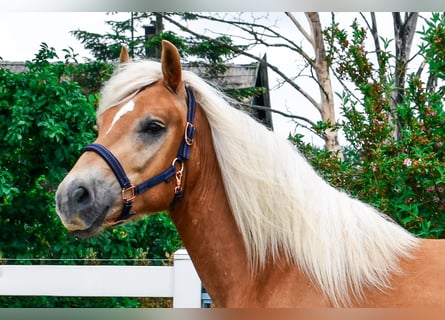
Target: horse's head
x=142 y=135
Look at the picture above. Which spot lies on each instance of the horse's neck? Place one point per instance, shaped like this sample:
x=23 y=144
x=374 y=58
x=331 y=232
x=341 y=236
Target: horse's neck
x=205 y=222
x=210 y=233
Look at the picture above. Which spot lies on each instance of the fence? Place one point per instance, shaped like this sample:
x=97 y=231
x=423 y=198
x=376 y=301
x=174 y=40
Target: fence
x=180 y=281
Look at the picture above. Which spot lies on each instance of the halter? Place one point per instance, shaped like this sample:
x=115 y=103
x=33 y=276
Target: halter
x=129 y=190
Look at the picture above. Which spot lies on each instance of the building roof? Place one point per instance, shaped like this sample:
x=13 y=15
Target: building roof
x=237 y=75
x=14 y=66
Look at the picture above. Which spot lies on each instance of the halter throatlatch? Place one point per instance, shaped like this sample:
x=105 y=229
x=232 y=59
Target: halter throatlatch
x=130 y=191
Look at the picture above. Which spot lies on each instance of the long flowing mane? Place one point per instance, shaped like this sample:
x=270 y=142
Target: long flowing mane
x=283 y=208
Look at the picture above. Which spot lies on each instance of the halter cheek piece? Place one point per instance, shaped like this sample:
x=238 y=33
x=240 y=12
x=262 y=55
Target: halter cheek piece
x=129 y=190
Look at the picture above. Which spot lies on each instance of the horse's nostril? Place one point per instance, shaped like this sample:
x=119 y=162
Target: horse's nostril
x=81 y=197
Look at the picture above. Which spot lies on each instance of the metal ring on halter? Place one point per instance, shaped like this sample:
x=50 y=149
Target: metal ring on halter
x=178 y=176
x=181 y=162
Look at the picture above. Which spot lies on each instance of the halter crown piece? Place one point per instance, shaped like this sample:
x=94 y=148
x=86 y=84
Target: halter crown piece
x=129 y=190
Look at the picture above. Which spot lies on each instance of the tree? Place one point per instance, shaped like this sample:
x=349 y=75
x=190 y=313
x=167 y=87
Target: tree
x=403 y=175
x=106 y=47
x=404 y=30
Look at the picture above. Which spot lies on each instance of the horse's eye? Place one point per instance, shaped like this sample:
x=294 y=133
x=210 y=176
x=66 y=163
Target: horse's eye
x=153 y=127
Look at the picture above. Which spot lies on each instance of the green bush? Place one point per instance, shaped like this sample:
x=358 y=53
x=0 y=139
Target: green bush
x=44 y=123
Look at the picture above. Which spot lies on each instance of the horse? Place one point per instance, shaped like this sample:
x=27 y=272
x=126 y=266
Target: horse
x=262 y=228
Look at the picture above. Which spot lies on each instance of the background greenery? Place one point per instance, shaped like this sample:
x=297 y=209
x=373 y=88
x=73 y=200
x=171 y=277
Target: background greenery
x=47 y=114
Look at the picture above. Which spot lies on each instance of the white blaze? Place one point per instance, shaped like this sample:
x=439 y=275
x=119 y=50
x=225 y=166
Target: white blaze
x=129 y=106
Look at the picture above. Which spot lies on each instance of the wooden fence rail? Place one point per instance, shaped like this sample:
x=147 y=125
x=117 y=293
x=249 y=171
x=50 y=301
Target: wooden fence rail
x=180 y=281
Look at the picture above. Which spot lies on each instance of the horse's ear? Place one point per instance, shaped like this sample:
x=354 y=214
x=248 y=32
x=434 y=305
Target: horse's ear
x=124 y=56
x=171 y=65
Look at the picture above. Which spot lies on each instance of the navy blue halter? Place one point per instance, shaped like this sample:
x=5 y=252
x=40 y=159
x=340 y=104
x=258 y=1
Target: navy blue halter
x=129 y=190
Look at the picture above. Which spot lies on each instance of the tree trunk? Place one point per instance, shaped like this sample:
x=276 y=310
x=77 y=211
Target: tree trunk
x=404 y=31
x=321 y=68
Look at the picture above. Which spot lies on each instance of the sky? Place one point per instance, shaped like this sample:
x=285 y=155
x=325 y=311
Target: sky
x=22 y=33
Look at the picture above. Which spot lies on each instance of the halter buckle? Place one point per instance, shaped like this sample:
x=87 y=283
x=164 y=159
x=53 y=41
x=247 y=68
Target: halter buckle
x=128 y=194
x=188 y=133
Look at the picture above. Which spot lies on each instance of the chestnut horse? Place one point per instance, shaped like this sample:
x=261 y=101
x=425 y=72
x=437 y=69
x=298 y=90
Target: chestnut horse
x=261 y=227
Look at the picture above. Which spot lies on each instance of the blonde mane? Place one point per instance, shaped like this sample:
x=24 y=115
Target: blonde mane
x=281 y=205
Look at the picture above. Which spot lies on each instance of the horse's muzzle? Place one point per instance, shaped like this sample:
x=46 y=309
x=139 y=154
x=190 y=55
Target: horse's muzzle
x=82 y=207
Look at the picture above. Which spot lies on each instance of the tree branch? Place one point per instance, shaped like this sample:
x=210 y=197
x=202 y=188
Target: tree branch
x=375 y=35
x=237 y=50
x=291 y=116
x=287 y=115
x=300 y=28
x=268 y=32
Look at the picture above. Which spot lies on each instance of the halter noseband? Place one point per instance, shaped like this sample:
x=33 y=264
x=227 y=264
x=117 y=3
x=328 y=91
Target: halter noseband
x=129 y=190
